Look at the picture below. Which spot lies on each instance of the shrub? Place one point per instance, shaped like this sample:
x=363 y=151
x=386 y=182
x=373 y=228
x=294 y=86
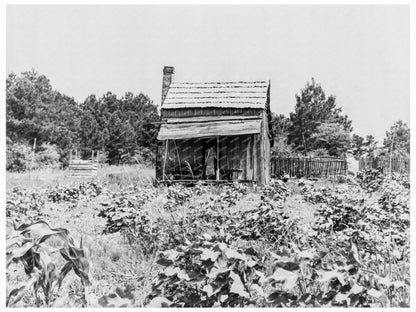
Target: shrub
x=379 y=230
x=267 y=222
x=47 y=157
x=370 y=179
x=124 y=214
x=25 y=206
x=177 y=195
x=211 y=273
x=206 y=273
x=73 y=193
x=18 y=157
x=276 y=190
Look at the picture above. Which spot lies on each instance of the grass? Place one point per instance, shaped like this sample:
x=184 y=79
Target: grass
x=115 y=176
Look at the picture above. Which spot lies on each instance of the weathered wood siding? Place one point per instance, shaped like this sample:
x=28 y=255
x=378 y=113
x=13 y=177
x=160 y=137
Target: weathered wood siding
x=266 y=149
x=209 y=111
x=208 y=128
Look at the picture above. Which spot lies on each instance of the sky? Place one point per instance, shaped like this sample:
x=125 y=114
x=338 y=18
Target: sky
x=360 y=54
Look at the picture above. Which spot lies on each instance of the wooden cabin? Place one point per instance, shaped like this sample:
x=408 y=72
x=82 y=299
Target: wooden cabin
x=214 y=131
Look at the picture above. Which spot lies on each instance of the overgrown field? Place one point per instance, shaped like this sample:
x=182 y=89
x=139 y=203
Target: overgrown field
x=118 y=241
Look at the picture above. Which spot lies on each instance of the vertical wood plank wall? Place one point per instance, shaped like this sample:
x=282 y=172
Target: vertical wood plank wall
x=398 y=164
x=309 y=167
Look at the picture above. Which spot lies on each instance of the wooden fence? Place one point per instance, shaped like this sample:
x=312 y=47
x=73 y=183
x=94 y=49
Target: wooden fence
x=82 y=168
x=398 y=164
x=79 y=168
x=309 y=167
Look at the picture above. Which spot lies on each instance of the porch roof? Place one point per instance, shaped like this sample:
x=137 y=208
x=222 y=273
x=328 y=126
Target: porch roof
x=189 y=130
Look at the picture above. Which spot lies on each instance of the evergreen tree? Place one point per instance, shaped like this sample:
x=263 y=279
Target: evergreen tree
x=398 y=138
x=118 y=127
x=313 y=109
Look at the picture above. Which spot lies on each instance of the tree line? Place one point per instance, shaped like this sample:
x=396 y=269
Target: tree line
x=123 y=129
x=43 y=126
x=317 y=127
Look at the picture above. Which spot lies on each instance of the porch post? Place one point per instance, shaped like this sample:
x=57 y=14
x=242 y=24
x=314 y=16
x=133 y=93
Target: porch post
x=218 y=158
x=164 y=159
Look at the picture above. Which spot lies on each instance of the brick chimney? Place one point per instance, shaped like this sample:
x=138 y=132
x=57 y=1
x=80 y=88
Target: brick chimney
x=168 y=72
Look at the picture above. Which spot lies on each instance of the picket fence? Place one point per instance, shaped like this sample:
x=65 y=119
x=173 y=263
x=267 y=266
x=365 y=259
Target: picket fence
x=309 y=167
x=398 y=164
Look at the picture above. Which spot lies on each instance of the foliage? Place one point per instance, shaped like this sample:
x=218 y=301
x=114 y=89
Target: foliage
x=222 y=246
x=122 y=128
x=370 y=179
x=361 y=146
x=394 y=210
x=141 y=156
x=281 y=147
x=47 y=157
x=124 y=207
x=25 y=206
x=398 y=138
x=402 y=178
x=266 y=222
x=338 y=209
x=276 y=190
x=230 y=194
x=206 y=273
x=18 y=157
x=377 y=233
x=280 y=126
x=332 y=137
x=119 y=298
x=177 y=195
x=35 y=110
x=27 y=244
x=124 y=214
x=73 y=193
x=312 y=109
x=212 y=273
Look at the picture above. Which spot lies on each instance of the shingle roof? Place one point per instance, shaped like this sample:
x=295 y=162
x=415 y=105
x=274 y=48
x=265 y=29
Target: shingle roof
x=217 y=94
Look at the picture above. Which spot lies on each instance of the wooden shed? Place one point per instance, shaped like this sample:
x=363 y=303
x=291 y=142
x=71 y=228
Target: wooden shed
x=215 y=131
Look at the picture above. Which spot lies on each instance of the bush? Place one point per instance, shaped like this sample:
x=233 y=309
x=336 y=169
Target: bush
x=276 y=190
x=25 y=206
x=73 y=193
x=18 y=157
x=371 y=179
x=207 y=273
x=47 y=157
x=177 y=195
